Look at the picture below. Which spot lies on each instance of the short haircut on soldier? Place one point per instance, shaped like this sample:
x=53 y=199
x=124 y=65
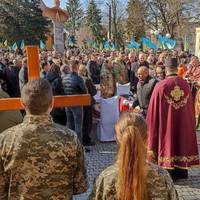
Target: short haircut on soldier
x=37 y=96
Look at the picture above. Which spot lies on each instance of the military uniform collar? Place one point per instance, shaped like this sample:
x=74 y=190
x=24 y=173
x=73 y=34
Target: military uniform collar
x=32 y=119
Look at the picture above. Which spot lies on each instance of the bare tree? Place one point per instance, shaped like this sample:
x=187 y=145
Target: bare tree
x=163 y=14
x=135 y=25
x=169 y=15
x=118 y=19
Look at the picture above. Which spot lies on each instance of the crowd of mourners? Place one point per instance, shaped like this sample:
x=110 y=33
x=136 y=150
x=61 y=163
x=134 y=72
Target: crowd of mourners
x=85 y=72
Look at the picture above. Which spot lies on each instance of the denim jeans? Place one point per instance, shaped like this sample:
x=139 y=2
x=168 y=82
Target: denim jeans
x=75 y=120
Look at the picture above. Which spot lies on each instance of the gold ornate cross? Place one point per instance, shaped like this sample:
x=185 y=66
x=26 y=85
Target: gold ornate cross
x=177 y=93
x=34 y=73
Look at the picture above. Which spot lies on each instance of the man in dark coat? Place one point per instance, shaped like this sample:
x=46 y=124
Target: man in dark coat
x=134 y=69
x=94 y=69
x=73 y=84
x=45 y=69
x=145 y=88
x=12 y=78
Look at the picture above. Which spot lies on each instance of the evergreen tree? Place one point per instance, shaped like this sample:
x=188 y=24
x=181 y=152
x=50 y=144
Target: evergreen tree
x=75 y=12
x=22 y=19
x=93 y=20
x=135 y=22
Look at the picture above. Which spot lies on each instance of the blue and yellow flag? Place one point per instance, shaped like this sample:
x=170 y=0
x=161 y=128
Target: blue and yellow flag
x=166 y=42
x=14 y=46
x=186 y=43
x=170 y=43
x=114 y=47
x=147 y=42
x=106 y=45
x=5 y=43
x=22 y=45
x=42 y=45
x=133 y=45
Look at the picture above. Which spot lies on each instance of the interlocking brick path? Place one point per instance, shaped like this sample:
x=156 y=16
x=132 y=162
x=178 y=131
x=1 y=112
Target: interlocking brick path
x=103 y=154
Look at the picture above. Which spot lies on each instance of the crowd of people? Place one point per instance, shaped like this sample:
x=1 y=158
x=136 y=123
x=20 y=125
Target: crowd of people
x=105 y=68
x=46 y=159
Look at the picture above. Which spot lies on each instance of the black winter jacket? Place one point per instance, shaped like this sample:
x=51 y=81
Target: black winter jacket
x=12 y=80
x=56 y=83
x=94 y=71
x=73 y=84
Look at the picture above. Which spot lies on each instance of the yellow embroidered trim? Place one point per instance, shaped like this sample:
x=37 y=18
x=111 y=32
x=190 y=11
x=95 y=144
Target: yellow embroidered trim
x=179 y=167
x=178 y=158
x=177 y=105
x=173 y=159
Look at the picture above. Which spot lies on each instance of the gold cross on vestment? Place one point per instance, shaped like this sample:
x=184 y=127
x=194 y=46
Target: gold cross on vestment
x=34 y=73
x=177 y=93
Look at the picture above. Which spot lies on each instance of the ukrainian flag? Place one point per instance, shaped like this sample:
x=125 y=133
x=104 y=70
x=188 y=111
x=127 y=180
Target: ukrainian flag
x=186 y=43
x=42 y=45
x=22 y=45
x=14 y=46
x=6 y=43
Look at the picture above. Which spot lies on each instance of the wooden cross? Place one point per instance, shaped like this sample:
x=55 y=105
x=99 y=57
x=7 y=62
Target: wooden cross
x=34 y=73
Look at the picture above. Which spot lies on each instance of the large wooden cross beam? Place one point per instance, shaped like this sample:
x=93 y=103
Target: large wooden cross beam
x=34 y=73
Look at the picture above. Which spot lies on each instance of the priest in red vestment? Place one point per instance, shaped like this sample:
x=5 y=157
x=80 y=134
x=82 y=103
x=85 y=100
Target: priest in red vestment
x=172 y=141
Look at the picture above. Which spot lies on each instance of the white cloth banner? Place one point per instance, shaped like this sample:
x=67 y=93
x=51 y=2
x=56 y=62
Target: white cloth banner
x=109 y=117
x=123 y=89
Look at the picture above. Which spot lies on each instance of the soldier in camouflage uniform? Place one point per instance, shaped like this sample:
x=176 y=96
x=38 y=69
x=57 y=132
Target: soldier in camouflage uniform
x=129 y=178
x=121 y=70
x=159 y=185
x=38 y=159
x=108 y=84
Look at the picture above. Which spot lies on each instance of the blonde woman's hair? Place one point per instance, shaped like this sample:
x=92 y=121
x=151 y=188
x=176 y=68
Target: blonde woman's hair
x=131 y=133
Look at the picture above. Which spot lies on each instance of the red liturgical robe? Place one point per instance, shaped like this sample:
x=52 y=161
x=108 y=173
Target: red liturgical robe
x=171 y=121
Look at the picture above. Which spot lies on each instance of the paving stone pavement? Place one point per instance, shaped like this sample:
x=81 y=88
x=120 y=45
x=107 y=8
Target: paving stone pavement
x=104 y=154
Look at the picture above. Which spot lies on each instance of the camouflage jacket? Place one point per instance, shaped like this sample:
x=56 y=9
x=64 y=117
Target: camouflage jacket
x=159 y=185
x=41 y=161
x=108 y=84
x=121 y=72
x=9 y=118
